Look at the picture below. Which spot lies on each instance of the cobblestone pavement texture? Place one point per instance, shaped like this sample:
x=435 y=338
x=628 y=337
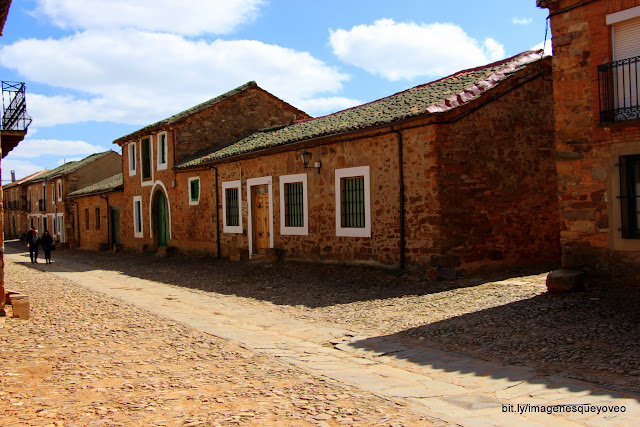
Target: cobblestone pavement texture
x=504 y=317
x=86 y=359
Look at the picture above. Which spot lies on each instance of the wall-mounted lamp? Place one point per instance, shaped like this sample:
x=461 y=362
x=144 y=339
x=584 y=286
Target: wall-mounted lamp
x=305 y=156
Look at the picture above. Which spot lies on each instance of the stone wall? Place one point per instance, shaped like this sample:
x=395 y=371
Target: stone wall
x=94 y=237
x=496 y=180
x=587 y=150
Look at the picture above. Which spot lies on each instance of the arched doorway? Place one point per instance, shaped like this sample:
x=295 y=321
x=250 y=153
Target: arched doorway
x=161 y=219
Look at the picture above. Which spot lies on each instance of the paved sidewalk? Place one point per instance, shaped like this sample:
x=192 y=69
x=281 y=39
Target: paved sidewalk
x=452 y=387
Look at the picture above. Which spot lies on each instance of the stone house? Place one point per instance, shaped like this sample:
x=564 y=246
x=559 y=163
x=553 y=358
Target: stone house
x=457 y=174
x=596 y=52
x=15 y=206
x=98 y=208
x=163 y=207
x=47 y=204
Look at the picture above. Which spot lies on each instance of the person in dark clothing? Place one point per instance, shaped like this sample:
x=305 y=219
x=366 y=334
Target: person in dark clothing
x=33 y=241
x=47 y=245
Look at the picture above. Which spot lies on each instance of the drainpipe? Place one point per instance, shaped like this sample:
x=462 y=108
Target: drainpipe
x=106 y=199
x=217 y=213
x=401 y=182
x=77 y=221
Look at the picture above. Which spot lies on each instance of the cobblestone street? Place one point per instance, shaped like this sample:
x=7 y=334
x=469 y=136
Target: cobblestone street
x=113 y=341
x=88 y=359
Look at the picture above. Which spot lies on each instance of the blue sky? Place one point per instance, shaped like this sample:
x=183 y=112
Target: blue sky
x=96 y=70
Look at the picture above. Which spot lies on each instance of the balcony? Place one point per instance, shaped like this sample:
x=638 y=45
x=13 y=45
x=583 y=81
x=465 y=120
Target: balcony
x=618 y=90
x=15 y=119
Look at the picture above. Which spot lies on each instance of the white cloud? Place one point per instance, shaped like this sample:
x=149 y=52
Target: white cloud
x=547 y=47
x=189 y=17
x=522 y=21
x=407 y=50
x=23 y=169
x=322 y=106
x=32 y=148
x=138 y=77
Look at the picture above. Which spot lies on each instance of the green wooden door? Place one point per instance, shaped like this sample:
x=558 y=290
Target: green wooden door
x=161 y=220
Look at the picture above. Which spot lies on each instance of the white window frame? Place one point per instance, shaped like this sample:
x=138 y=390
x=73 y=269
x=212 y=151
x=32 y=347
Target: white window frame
x=228 y=228
x=136 y=233
x=131 y=157
x=191 y=201
x=61 y=234
x=162 y=165
x=348 y=173
x=294 y=231
x=147 y=181
x=59 y=189
x=53 y=193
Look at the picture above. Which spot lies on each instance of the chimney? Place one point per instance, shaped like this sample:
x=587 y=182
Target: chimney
x=13 y=176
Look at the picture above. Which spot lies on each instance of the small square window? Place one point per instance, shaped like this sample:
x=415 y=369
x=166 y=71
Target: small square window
x=194 y=191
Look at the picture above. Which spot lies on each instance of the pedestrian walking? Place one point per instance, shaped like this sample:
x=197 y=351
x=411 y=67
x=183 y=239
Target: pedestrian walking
x=33 y=241
x=47 y=246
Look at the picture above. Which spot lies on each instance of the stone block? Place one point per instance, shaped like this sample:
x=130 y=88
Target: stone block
x=167 y=251
x=103 y=246
x=565 y=281
x=20 y=306
x=273 y=254
x=447 y=273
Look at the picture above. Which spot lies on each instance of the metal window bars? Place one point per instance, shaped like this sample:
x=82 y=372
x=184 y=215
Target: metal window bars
x=14 y=107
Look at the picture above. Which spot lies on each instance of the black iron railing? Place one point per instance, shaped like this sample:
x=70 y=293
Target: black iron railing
x=14 y=107
x=619 y=96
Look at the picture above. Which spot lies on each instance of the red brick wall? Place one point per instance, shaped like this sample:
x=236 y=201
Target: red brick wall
x=586 y=149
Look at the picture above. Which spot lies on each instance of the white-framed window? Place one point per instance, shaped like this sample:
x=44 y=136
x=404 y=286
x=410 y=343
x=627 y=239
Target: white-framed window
x=194 y=190
x=353 y=202
x=294 y=209
x=146 y=161
x=61 y=235
x=59 y=185
x=231 y=207
x=53 y=193
x=131 y=149
x=137 y=216
x=162 y=150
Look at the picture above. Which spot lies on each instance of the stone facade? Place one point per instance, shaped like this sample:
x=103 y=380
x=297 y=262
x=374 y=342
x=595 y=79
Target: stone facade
x=94 y=220
x=215 y=123
x=479 y=190
x=588 y=149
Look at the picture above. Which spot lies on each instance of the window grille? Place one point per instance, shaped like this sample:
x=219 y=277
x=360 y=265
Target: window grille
x=352 y=200
x=294 y=204
x=630 y=196
x=233 y=210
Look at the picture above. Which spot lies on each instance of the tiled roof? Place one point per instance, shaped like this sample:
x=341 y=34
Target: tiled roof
x=431 y=98
x=186 y=113
x=106 y=185
x=25 y=179
x=70 y=167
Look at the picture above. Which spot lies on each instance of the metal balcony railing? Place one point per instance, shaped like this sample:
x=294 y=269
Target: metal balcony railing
x=14 y=107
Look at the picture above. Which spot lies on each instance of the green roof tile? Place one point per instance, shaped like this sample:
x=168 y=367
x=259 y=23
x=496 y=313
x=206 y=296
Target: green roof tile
x=431 y=98
x=106 y=185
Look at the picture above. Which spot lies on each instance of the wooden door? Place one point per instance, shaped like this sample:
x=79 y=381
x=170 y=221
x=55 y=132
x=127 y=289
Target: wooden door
x=161 y=220
x=261 y=231
x=115 y=226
